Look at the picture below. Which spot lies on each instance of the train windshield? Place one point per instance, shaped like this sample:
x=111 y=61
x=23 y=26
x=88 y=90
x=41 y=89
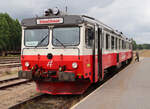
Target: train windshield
x=36 y=37
x=66 y=36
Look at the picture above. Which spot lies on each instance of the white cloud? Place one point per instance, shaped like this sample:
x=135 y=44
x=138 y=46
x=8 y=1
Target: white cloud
x=129 y=16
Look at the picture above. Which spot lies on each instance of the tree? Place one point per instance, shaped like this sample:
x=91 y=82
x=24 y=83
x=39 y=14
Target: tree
x=10 y=34
x=140 y=46
x=17 y=38
x=4 y=34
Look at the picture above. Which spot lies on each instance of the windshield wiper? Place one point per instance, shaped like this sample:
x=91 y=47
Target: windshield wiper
x=42 y=40
x=60 y=42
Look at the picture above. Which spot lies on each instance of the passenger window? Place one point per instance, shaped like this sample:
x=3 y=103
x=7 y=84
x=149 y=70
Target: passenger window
x=107 y=41
x=130 y=46
x=119 y=43
x=89 y=37
x=102 y=42
x=112 y=42
x=116 y=43
x=125 y=45
x=122 y=44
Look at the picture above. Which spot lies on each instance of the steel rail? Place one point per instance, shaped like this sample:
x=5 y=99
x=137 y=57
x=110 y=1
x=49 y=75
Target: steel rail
x=10 y=79
x=14 y=84
x=12 y=65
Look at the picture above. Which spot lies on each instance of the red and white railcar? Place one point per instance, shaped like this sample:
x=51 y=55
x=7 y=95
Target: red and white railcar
x=65 y=54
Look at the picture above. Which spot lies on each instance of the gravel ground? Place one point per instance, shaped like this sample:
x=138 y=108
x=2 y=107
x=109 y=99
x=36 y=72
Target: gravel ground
x=9 y=71
x=8 y=76
x=52 y=102
x=12 y=82
x=16 y=94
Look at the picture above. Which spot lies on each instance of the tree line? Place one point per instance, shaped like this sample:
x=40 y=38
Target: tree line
x=140 y=46
x=10 y=34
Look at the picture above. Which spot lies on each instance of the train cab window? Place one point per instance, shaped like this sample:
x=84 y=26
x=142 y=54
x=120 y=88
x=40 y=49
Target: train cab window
x=66 y=36
x=35 y=37
x=116 y=43
x=89 y=36
x=112 y=42
x=107 y=41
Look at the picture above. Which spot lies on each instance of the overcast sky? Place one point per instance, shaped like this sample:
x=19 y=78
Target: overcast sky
x=132 y=17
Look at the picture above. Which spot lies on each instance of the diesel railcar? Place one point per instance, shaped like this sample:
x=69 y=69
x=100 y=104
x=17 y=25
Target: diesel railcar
x=65 y=54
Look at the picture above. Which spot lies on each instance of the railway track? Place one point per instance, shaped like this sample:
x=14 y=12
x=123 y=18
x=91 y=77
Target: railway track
x=12 y=82
x=16 y=93
x=45 y=101
x=10 y=65
x=9 y=59
x=9 y=62
x=10 y=79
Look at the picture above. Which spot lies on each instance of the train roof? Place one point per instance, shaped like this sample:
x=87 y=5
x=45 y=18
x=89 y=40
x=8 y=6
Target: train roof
x=68 y=20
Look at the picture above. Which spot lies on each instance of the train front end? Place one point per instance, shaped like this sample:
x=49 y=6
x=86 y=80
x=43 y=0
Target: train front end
x=53 y=54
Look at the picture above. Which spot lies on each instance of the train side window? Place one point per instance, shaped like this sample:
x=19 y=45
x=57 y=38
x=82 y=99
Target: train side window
x=122 y=44
x=119 y=43
x=130 y=46
x=89 y=36
x=116 y=43
x=125 y=44
x=112 y=42
x=107 y=41
x=102 y=42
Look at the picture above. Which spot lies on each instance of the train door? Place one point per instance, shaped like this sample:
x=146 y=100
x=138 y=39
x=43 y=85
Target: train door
x=97 y=55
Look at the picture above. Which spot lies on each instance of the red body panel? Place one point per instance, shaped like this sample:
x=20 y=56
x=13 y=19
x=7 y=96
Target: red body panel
x=54 y=88
x=84 y=70
x=56 y=61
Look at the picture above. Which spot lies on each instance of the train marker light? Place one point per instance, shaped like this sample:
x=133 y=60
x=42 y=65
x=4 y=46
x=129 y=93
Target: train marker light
x=55 y=11
x=27 y=64
x=74 y=65
x=88 y=65
x=48 y=12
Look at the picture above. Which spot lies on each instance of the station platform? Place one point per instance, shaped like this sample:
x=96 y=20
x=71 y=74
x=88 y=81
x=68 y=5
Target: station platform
x=129 y=89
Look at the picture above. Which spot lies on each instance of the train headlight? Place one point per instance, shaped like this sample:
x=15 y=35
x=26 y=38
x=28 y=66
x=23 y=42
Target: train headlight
x=27 y=64
x=74 y=65
x=55 y=11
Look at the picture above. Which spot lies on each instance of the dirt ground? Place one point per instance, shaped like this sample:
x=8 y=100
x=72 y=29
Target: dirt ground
x=144 y=53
